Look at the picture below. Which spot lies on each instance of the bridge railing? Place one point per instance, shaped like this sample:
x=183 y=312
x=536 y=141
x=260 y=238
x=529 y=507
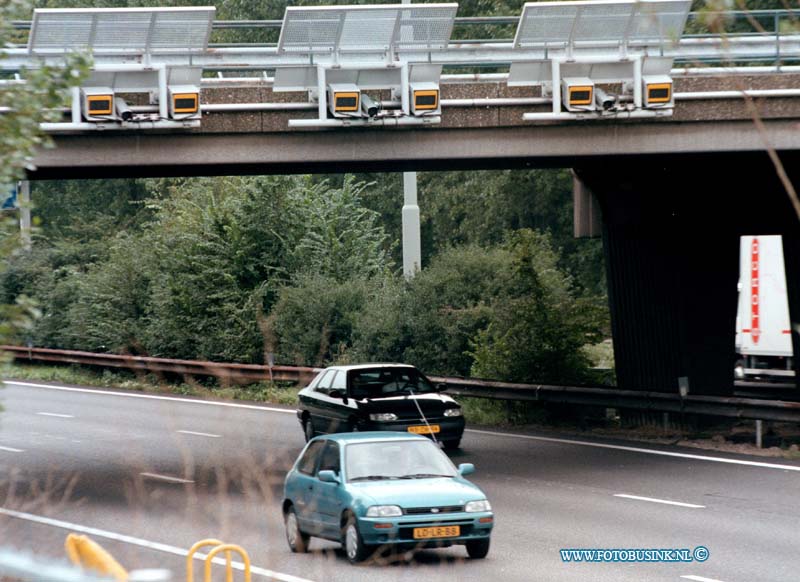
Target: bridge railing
x=733 y=407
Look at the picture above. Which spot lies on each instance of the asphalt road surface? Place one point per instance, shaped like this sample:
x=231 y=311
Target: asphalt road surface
x=148 y=475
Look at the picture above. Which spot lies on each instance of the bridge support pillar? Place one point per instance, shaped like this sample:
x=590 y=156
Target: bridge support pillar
x=672 y=268
x=672 y=293
x=791 y=258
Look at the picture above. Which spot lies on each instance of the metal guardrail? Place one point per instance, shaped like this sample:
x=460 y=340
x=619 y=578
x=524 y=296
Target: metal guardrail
x=727 y=406
x=233 y=373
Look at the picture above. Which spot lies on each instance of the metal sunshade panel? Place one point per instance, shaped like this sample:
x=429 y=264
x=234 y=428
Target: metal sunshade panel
x=660 y=20
x=366 y=28
x=123 y=30
x=585 y=22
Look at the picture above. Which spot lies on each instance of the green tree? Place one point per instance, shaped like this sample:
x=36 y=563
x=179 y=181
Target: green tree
x=430 y=321
x=337 y=237
x=28 y=104
x=313 y=319
x=538 y=329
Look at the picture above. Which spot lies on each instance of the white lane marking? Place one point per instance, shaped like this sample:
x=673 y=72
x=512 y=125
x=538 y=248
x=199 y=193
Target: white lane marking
x=203 y=434
x=55 y=414
x=638 y=450
x=700 y=579
x=150 y=397
x=159 y=547
x=166 y=478
x=11 y=450
x=664 y=501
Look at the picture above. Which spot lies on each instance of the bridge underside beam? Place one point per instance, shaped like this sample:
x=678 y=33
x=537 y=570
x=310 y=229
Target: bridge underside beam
x=133 y=154
x=672 y=257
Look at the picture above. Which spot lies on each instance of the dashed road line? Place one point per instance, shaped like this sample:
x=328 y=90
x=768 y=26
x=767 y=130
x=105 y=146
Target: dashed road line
x=11 y=450
x=663 y=501
x=166 y=478
x=700 y=579
x=202 y=434
x=55 y=414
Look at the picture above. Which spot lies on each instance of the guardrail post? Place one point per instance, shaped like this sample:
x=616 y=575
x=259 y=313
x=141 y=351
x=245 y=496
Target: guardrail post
x=759 y=434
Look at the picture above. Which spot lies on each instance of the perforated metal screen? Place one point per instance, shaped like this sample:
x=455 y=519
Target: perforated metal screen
x=121 y=30
x=369 y=28
x=601 y=21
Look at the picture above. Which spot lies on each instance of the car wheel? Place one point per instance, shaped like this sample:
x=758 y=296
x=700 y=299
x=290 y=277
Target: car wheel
x=308 y=428
x=451 y=445
x=353 y=544
x=297 y=540
x=477 y=549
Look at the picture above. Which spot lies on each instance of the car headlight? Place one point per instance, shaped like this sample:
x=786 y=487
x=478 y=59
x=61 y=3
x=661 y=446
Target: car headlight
x=453 y=412
x=384 y=511
x=476 y=506
x=383 y=416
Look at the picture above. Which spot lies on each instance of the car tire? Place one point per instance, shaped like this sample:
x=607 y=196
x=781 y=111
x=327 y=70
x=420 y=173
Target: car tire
x=451 y=445
x=297 y=540
x=308 y=429
x=353 y=544
x=477 y=549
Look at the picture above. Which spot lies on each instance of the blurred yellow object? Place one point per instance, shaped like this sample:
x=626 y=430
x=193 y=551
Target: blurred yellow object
x=197 y=546
x=89 y=555
x=227 y=548
x=218 y=547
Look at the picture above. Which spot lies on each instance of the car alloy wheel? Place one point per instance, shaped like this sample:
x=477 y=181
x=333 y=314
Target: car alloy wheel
x=354 y=546
x=297 y=540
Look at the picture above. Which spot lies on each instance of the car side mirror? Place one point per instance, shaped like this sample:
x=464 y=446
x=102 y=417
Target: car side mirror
x=466 y=469
x=328 y=476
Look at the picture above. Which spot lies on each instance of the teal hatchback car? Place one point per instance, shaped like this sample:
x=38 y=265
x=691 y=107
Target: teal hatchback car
x=369 y=490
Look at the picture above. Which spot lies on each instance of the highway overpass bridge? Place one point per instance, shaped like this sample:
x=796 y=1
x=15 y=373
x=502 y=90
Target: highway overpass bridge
x=676 y=183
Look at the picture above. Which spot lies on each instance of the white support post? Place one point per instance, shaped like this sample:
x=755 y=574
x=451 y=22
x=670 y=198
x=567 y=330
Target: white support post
x=163 y=94
x=556 y=86
x=405 y=97
x=412 y=247
x=322 y=96
x=637 y=83
x=24 y=191
x=76 y=104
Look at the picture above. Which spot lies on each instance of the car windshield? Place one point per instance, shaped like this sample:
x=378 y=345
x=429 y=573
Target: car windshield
x=411 y=459
x=386 y=382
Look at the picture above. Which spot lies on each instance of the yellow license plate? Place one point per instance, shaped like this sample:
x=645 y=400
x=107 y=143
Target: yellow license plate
x=450 y=531
x=424 y=429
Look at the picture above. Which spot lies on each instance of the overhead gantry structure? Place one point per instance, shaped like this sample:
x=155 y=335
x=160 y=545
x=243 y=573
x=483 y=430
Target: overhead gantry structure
x=362 y=65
